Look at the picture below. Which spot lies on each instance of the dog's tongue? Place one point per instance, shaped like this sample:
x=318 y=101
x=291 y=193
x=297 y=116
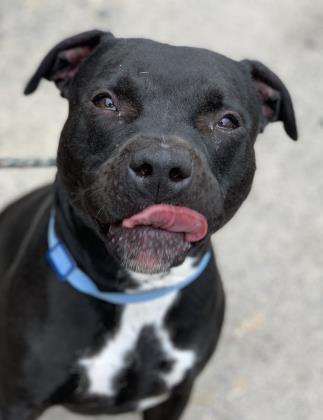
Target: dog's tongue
x=172 y=219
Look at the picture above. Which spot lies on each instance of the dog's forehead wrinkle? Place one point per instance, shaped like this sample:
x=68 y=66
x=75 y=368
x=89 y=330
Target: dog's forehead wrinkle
x=169 y=86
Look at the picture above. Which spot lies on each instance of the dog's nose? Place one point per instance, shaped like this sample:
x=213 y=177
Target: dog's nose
x=160 y=171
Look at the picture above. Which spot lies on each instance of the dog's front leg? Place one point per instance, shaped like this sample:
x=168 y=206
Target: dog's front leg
x=173 y=407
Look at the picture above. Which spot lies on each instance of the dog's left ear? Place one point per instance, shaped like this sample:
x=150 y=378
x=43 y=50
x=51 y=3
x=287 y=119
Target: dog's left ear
x=276 y=101
x=63 y=61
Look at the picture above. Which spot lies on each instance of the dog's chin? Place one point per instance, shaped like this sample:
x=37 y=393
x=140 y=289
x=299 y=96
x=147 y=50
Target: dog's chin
x=146 y=249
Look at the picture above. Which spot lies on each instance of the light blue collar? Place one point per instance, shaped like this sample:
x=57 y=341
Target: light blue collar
x=66 y=269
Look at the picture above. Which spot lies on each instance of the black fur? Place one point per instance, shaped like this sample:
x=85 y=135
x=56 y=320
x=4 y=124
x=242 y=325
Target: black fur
x=168 y=98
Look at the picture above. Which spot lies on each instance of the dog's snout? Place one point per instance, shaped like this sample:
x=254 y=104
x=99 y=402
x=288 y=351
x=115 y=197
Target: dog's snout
x=160 y=170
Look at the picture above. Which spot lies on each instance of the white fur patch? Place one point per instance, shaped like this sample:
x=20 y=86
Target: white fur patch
x=169 y=278
x=151 y=402
x=103 y=367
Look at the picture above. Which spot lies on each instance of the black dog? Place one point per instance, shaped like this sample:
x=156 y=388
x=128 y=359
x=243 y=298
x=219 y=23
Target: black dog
x=157 y=153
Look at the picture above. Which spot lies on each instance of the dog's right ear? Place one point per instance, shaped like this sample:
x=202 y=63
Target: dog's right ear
x=63 y=61
x=276 y=103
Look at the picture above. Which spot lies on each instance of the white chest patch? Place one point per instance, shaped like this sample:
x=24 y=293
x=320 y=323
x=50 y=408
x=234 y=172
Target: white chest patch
x=102 y=368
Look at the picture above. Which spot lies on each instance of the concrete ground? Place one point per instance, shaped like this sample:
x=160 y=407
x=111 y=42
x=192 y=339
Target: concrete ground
x=269 y=365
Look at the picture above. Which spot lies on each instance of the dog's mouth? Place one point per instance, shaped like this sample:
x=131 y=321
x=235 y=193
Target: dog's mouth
x=156 y=238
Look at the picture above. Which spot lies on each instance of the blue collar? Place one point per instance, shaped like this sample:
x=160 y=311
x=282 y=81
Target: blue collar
x=65 y=267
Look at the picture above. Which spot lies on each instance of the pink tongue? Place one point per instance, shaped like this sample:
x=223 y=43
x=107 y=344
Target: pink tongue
x=172 y=219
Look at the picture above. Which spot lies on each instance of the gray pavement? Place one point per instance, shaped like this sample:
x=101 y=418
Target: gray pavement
x=269 y=365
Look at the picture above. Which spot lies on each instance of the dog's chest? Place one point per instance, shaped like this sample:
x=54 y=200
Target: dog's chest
x=139 y=362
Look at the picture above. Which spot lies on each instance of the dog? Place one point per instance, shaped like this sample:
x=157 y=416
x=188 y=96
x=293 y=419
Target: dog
x=110 y=299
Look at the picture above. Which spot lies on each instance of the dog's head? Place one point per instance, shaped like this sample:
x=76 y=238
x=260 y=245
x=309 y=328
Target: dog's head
x=157 y=152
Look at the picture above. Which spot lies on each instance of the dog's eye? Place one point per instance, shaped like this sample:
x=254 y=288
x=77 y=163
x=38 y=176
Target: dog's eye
x=228 y=122
x=104 y=101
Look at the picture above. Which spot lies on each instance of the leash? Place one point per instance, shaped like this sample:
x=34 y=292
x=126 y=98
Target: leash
x=14 y=163
x=66 y=269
